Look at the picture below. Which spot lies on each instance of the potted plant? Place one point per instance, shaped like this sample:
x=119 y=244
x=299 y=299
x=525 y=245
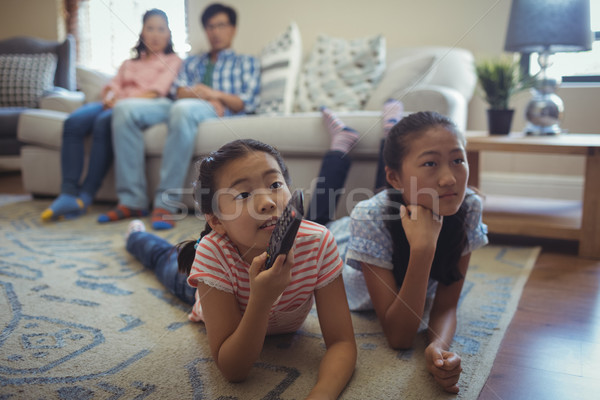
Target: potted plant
x=500 y=79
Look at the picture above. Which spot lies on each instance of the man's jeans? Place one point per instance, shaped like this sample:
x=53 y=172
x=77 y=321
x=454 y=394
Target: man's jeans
x=130 y=118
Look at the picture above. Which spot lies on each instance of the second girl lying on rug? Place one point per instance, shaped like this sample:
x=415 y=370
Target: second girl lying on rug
x=242 y=189
x=407 y=248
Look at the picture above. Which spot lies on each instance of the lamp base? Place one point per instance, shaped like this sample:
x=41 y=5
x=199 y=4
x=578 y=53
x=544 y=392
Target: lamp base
x=545 y=109
x=536 y=130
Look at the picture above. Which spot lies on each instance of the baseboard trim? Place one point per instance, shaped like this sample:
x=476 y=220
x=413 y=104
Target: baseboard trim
x=567 y=187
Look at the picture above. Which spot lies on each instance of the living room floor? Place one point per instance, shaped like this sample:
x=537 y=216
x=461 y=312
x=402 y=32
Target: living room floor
x=551 y=349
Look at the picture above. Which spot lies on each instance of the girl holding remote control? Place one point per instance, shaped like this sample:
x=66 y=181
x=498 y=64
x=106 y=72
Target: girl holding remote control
x=242 y=189
x=410 y=244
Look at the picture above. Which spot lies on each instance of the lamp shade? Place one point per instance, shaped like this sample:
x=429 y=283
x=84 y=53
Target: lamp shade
x=549 y=26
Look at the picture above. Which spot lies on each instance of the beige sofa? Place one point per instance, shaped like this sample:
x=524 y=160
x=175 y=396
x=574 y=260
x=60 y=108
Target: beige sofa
x=445 y=85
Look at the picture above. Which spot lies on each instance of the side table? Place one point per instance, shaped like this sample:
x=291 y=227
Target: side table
x=581 y=223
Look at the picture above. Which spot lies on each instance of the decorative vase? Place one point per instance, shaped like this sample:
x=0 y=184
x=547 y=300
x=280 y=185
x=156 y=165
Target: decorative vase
x=499 y=121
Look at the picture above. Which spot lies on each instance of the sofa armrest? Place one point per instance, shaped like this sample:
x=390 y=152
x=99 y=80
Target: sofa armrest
x=62 y=100
x=445 y=100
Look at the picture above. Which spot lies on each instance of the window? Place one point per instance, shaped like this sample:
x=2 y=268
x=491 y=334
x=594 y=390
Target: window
x=576 y=67
x=109 y=29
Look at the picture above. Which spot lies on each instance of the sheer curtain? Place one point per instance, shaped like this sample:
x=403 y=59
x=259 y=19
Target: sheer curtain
x=106 y=30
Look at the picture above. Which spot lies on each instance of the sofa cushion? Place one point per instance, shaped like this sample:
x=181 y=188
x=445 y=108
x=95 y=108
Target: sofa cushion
x=400 y=77
x=298 y=134
x=25 y=77
x=454 y=67
x=340 y=74
x=280 y=65
x=91 y=83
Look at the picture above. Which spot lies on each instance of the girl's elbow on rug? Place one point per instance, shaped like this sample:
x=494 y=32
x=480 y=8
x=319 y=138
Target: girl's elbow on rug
x=399 y=342
x=235 y=375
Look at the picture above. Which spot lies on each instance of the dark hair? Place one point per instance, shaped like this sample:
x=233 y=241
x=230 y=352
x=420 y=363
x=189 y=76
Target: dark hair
x=217 y=8
x=453 y=238
x=140 y=47
x=205 y=186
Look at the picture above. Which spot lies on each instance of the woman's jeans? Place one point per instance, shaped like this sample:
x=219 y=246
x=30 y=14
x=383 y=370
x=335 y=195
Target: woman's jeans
x=93 y=118
x=160 y=256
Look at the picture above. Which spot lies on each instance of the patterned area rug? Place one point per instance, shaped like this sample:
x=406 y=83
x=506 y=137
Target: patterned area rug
x=81 y=319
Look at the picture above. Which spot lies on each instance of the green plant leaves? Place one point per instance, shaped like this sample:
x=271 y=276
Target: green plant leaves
x=499 y=79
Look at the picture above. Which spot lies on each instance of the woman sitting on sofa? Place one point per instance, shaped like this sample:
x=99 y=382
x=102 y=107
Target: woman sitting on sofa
x=149 y=74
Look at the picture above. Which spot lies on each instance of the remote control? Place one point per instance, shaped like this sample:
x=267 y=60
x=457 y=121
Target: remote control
x=284 y=234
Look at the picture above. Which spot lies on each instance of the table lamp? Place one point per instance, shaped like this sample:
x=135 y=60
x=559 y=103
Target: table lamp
x=547 y=27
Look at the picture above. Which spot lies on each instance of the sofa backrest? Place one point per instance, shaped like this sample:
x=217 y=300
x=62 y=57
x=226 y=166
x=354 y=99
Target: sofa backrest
x=452 y=67
x=65 y=52
x=91 y=82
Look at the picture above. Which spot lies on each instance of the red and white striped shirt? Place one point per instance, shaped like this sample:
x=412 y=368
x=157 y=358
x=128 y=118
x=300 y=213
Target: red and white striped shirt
x=316 y=264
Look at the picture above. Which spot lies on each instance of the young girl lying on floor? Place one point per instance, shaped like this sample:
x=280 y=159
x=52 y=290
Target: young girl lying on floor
x=242 y=189
x=409 y=244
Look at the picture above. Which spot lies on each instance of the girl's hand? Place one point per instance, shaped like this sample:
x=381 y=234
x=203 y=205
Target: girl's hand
x=421 y=225
x=269 y=285
x=444 y=366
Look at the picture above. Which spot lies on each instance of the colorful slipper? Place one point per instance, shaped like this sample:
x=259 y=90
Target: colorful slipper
x=162 y=219
x=121 y=212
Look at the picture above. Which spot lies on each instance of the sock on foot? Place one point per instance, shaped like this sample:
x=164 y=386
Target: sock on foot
x=393 y=110
x=121 y=212
x=161 y=219
x=343 y=138
x=135 y=226
x=64 y=206
x=86 y=199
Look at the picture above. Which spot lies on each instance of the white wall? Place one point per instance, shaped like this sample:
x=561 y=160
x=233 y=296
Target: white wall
x=39 y=18
x=475 y=24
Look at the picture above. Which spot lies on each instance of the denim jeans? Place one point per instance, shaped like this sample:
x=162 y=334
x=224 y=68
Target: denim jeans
x=88 y=118
x=131 y=117
x=158 y=255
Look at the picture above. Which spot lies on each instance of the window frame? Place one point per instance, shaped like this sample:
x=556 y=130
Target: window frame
x=525 y=63
x=584 y=78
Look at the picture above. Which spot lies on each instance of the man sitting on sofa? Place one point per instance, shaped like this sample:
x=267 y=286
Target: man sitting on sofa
x=215 y=84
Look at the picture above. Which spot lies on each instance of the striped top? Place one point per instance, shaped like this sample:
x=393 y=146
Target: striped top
x=232 y=73
x=316 y=264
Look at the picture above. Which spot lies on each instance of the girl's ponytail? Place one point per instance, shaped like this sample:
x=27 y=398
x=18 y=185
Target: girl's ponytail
x=187 y=252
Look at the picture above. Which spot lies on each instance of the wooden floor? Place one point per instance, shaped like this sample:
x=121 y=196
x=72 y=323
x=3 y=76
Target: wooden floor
x=551 y=349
